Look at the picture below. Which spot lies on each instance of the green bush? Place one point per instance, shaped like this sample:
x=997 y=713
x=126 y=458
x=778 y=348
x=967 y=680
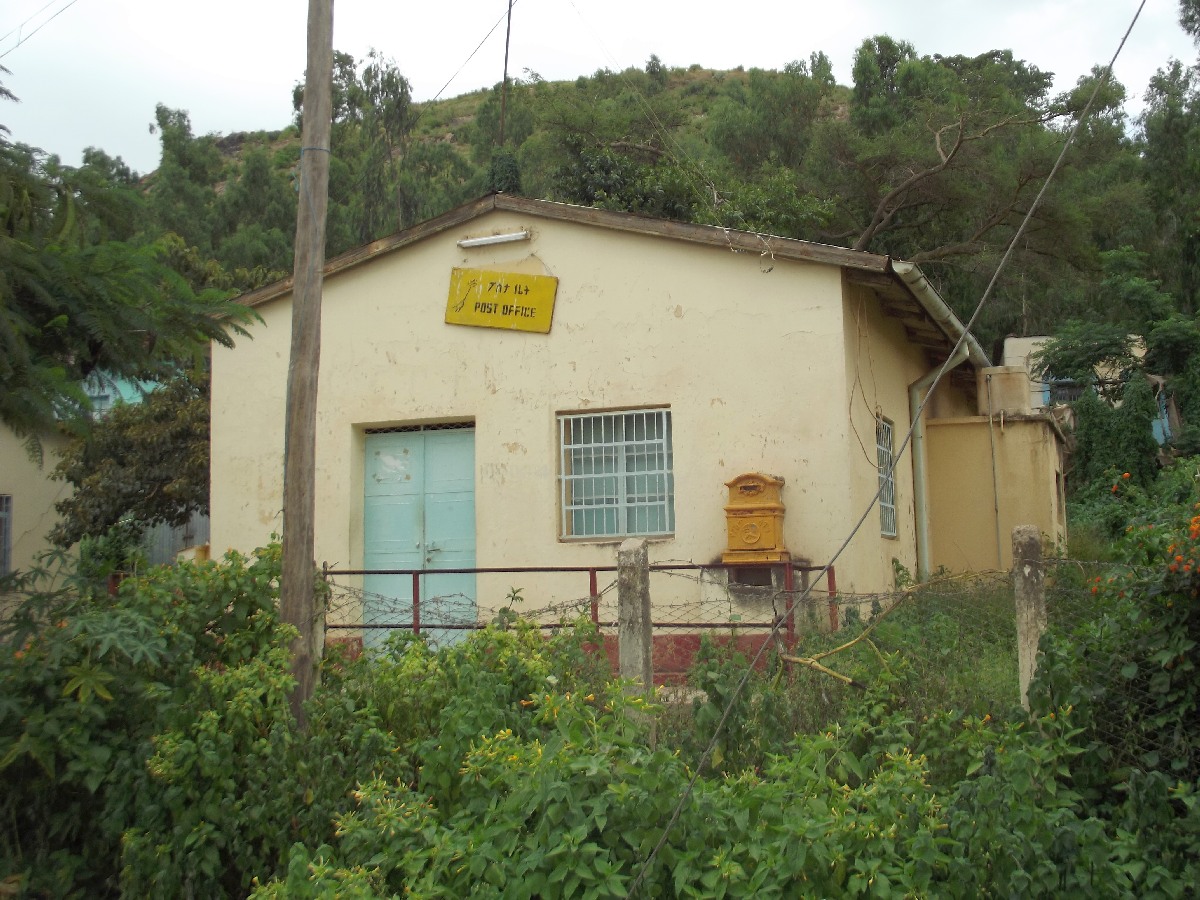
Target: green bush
x=147 y=749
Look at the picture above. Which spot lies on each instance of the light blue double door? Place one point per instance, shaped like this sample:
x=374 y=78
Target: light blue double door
x=419 y=513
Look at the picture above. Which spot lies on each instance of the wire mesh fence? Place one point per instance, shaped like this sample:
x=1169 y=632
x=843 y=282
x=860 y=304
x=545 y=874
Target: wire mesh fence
x=1118 y=644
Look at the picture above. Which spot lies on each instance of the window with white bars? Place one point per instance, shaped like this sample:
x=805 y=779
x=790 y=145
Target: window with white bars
x=617 y=476
x=5 y=533
x=887 y=477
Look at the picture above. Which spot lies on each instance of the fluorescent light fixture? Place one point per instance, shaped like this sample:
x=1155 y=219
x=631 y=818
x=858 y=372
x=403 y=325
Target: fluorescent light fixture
x=466 y=243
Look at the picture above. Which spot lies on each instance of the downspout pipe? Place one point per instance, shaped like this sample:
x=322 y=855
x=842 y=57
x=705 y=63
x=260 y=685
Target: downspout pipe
x=967 y=348
x=916 y=392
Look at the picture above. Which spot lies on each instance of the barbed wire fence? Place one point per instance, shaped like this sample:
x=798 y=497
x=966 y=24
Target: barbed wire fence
x=689 y=600
x=955 y=639
x=812 y=626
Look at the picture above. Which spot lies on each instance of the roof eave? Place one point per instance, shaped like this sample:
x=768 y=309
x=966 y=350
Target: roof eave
x=763 y=245
x=870 y=268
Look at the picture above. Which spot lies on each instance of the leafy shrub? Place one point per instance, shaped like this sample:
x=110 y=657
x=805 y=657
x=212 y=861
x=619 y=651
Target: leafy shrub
x=577 y=806
x=1128 y=669
x=90 y=679
x=147 y=749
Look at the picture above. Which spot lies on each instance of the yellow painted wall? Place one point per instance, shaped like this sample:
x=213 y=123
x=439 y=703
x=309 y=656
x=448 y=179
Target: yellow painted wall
x=33 y=494
x=967 y=532
x=880 y=364
x=746 y=351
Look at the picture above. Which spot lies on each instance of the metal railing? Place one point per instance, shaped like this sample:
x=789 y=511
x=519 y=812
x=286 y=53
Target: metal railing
x=416 y=624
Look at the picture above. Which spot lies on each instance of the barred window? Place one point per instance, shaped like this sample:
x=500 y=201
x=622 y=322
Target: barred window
x=616 y=474
x=887 y=479
x=5 y=533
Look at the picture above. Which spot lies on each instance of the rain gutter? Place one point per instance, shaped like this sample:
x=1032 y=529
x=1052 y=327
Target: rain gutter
x=967 y=349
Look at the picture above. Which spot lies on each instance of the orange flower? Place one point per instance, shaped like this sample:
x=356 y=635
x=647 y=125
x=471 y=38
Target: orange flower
x=1125 y=475
x=1114 y=490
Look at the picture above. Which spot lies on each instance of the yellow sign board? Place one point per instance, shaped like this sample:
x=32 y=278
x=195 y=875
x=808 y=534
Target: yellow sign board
x=509 y=300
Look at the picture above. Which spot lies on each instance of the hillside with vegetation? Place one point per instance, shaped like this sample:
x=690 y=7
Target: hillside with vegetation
x=934 y=159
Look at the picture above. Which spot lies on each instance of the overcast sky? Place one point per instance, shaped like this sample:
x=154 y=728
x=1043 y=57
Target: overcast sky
x=92 y=74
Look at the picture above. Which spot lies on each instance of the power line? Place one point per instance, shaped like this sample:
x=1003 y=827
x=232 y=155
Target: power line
x=427 y=104
x=36 y=30
x=27 y=21
x=473 y=52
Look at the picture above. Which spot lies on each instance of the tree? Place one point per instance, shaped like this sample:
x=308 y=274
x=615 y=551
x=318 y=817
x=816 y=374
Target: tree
x=519 y=123
x=1087 y=352
x=372 y=120
x=1189 y=17
x=1171 y=135
x=940 y=156
x=504 y=173
x=73 y=302
x=141 y=463
x=257 y=215
x=1115 y=439
x=771 y=118
x=880 y=101
x=182 y=195
x=432 y=178
x=656 y=73
x=614 y=146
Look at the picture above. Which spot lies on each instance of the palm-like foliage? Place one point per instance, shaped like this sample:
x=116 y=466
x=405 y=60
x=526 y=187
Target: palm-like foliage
x=71 y=305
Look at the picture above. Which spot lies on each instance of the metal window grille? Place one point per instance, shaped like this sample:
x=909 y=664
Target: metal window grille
x=408 y=429
x=5 y=534
x=617 y=475
x=887 y=478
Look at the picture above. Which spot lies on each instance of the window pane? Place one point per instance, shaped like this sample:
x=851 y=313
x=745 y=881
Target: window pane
x=887 y=479
x=616 y=474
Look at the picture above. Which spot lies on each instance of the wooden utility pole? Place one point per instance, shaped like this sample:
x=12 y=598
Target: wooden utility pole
x=504 y=85
x=297 y=595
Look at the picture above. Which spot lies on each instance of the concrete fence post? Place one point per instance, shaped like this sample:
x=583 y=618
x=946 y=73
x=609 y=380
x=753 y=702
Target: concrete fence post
x=635 y=659
x=1029 y=589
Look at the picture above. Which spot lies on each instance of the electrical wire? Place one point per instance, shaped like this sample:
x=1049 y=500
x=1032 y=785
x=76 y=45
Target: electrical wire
x=36 y=30
x=427 y=104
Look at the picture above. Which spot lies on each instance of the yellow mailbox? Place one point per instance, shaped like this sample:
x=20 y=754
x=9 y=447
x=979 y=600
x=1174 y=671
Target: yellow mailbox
x=754 y=518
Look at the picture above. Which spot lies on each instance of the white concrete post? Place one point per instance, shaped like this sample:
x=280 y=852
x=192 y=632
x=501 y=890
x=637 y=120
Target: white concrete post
x=635 y=659
x=1029 y=589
